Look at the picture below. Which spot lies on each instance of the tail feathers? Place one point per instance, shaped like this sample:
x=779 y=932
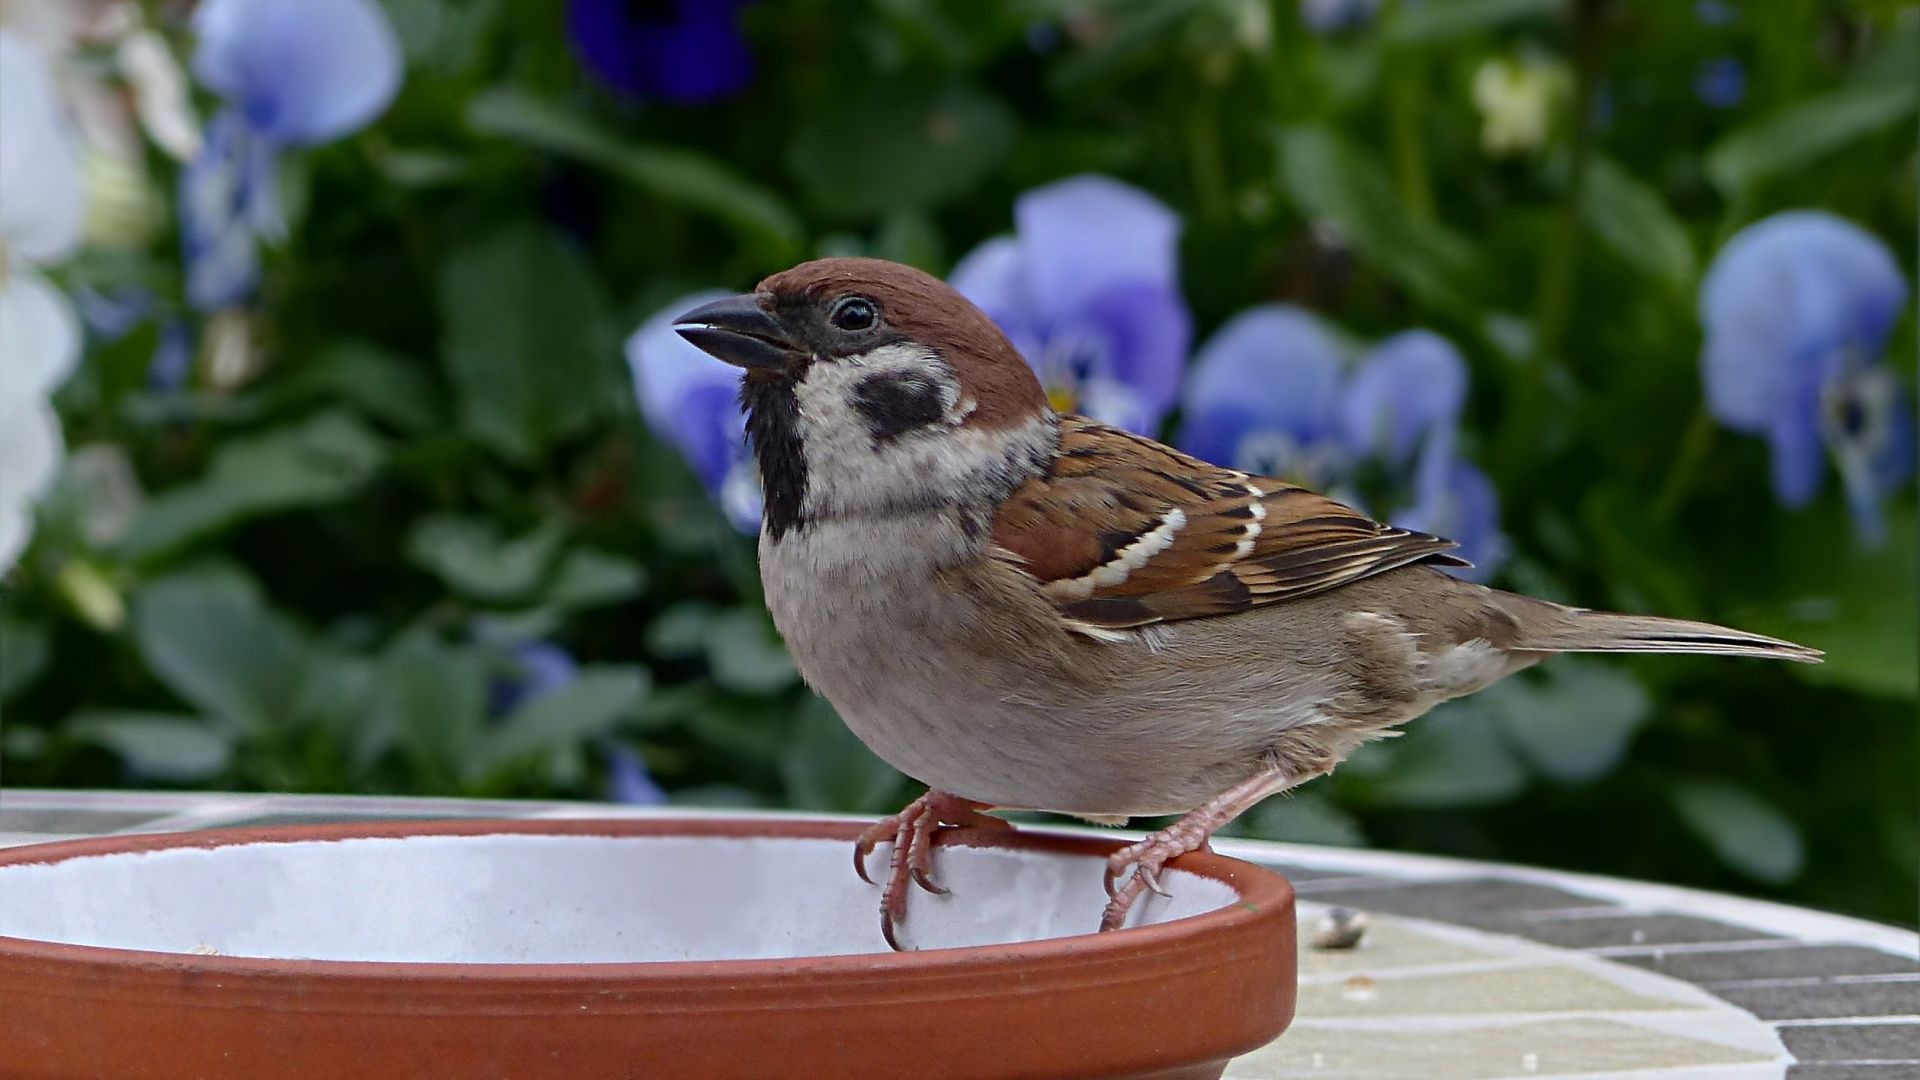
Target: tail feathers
x=1602 y=631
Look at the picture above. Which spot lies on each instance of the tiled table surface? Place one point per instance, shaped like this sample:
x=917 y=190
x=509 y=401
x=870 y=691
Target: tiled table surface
x=1467 y=970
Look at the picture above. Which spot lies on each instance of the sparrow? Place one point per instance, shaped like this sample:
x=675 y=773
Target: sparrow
x=1029 y=610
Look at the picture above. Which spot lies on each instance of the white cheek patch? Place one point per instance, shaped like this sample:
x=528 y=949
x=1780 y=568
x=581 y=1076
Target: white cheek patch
x=848 y=471
x=1125 y=561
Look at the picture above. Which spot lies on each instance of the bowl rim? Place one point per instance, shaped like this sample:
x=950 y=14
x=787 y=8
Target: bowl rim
x=1262 y=896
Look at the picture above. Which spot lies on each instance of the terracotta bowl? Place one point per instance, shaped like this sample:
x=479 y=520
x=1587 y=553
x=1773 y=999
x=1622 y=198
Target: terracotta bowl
x=638 y=948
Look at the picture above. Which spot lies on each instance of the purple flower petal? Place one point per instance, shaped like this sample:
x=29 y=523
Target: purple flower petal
x=1082 y=236
x=627 y=778
x=172 y=361
x=992 y=275
x=692 y=401
x=300 y=71
x=539 y=668
x=1265 y=387
x=219 y=191
x=1148 y=331
x=1329 y=16
x=1798 y=461
x=1459 y=502
x=1782 y=293
x=1407 y=386
x=683 y=51
x=1797 y=310
x=1721 y=83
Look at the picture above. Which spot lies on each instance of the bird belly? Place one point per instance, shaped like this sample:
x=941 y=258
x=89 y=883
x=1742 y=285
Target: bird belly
x=925 y=676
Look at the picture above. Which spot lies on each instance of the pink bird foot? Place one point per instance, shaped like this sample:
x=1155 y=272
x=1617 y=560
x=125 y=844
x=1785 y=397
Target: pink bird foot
x=1135 y=869
x=911 y=833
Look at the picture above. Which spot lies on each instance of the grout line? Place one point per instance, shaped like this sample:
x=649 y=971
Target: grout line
x=1864 y=1061
x=1815 y=980
x=1743 y=945
x=1574 y=914
x=1847 y=1021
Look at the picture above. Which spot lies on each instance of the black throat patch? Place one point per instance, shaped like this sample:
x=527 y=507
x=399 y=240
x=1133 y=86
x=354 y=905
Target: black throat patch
x=773 y=427
x=895 y=402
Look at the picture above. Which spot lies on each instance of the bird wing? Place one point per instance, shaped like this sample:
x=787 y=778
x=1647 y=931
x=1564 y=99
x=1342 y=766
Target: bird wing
x=1125 y=532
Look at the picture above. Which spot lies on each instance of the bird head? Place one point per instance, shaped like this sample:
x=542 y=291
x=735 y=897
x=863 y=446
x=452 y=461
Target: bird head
x=874 y=389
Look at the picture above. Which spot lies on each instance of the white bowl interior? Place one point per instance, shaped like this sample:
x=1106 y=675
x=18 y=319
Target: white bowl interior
x=533 y=898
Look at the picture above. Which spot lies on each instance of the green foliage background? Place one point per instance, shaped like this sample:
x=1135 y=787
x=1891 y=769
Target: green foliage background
x=439 y=447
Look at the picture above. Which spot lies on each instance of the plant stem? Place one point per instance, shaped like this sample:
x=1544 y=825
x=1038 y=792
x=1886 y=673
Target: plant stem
x=1552 y=303
x=1406 y=80
x=1692 y=453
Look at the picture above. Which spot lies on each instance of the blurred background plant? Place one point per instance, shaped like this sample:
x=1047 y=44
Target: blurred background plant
x=322 y=469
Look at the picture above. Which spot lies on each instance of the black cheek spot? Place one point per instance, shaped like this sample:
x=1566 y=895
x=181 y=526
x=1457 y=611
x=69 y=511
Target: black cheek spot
x=896 y=402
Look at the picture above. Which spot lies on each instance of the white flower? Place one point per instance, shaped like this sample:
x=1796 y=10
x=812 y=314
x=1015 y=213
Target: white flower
x=42 y=213
x=1516 y=98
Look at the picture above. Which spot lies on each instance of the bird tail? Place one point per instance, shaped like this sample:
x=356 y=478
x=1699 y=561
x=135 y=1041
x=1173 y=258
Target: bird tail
x=1580 y=630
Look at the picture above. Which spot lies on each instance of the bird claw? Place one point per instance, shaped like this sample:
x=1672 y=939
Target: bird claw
x=1135 y=869
x=911 y=834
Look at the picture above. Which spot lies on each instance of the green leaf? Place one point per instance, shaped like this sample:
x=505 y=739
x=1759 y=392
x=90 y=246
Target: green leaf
x=827 y=767
x=429 y=700
x=586 y=708
x=319 y=460
x=1573 y=720
x=1129 y=31
x=24 y=650
x=1803 y=133
x=209 y=636
x=745 y=655
x=526 y=341
x=474 y=560
x=681 y=630
x=670 y=173
x=375 y=381
x=1634 y=222
x=896 y=150
x=1856 y=604
x=1454 y=756
x=158 y=746
x=1332 y=179
x=1439 y=20
x=1748 y=833
x=589 y=577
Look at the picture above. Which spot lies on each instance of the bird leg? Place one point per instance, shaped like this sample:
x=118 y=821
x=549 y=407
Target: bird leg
x=911 y=833
x=1135 y=869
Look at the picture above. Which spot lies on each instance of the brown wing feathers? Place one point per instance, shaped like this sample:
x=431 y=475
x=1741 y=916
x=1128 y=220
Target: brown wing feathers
x=1126 y=532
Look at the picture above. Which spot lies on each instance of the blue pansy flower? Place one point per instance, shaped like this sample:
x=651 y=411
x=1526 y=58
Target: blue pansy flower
x=1088 y=290
x=683 y=51
x=1269 y=393
x=291 y=73
x=1797 y=310
x=628 y=780
x=1721 y=83
x=692 y=401
x=1265 y=396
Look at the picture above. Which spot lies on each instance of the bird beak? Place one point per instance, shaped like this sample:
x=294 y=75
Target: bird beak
x=741 y=332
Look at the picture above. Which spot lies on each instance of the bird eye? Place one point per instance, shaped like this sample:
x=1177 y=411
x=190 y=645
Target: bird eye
x=854 y=313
